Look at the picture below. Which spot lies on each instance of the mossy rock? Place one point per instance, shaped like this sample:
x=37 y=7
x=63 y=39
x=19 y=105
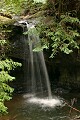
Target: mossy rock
x=6 y=21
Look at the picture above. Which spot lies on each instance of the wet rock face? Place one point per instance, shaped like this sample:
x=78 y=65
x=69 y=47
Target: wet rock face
x=16 y=31
x=17 y=40
x=65 y=72
x=70 y=76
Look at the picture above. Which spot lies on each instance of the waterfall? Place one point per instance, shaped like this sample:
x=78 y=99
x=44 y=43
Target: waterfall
x=36 y=72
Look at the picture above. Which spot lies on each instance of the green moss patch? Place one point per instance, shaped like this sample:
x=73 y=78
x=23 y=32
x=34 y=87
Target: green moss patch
x=5 y=20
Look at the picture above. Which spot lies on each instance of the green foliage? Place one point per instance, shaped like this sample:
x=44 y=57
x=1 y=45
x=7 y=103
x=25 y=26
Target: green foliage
x=2 y=42
x=6 y=65
x=5 y=89
x=4 y=45
x=38 y=46
x=61 y=36
x=11 y=6
x=4 y=76
x=20 y=6
x=67 y=18
x=3 y=109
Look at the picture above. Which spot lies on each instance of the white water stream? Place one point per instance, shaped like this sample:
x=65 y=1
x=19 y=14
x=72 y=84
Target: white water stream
x=38 y=67
x=36 y=72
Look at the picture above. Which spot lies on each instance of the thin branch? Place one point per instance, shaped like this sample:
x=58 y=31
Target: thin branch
x=72 y=107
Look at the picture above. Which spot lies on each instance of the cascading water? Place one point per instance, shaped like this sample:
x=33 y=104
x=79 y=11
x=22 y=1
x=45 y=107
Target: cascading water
x=36 y=75
x=38 y=72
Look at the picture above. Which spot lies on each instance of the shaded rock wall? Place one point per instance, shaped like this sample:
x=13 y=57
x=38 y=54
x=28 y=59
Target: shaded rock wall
x=64 y=71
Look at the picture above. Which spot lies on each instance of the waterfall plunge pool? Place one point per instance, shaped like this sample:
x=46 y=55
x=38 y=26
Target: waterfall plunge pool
x=28 y=107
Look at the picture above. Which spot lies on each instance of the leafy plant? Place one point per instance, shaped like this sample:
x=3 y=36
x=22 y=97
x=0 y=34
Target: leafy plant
x=60 y=36
x=6 y=65
x=5 y=89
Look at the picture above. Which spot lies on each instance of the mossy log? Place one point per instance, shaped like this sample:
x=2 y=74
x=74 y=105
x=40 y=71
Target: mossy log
x=5 y=20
